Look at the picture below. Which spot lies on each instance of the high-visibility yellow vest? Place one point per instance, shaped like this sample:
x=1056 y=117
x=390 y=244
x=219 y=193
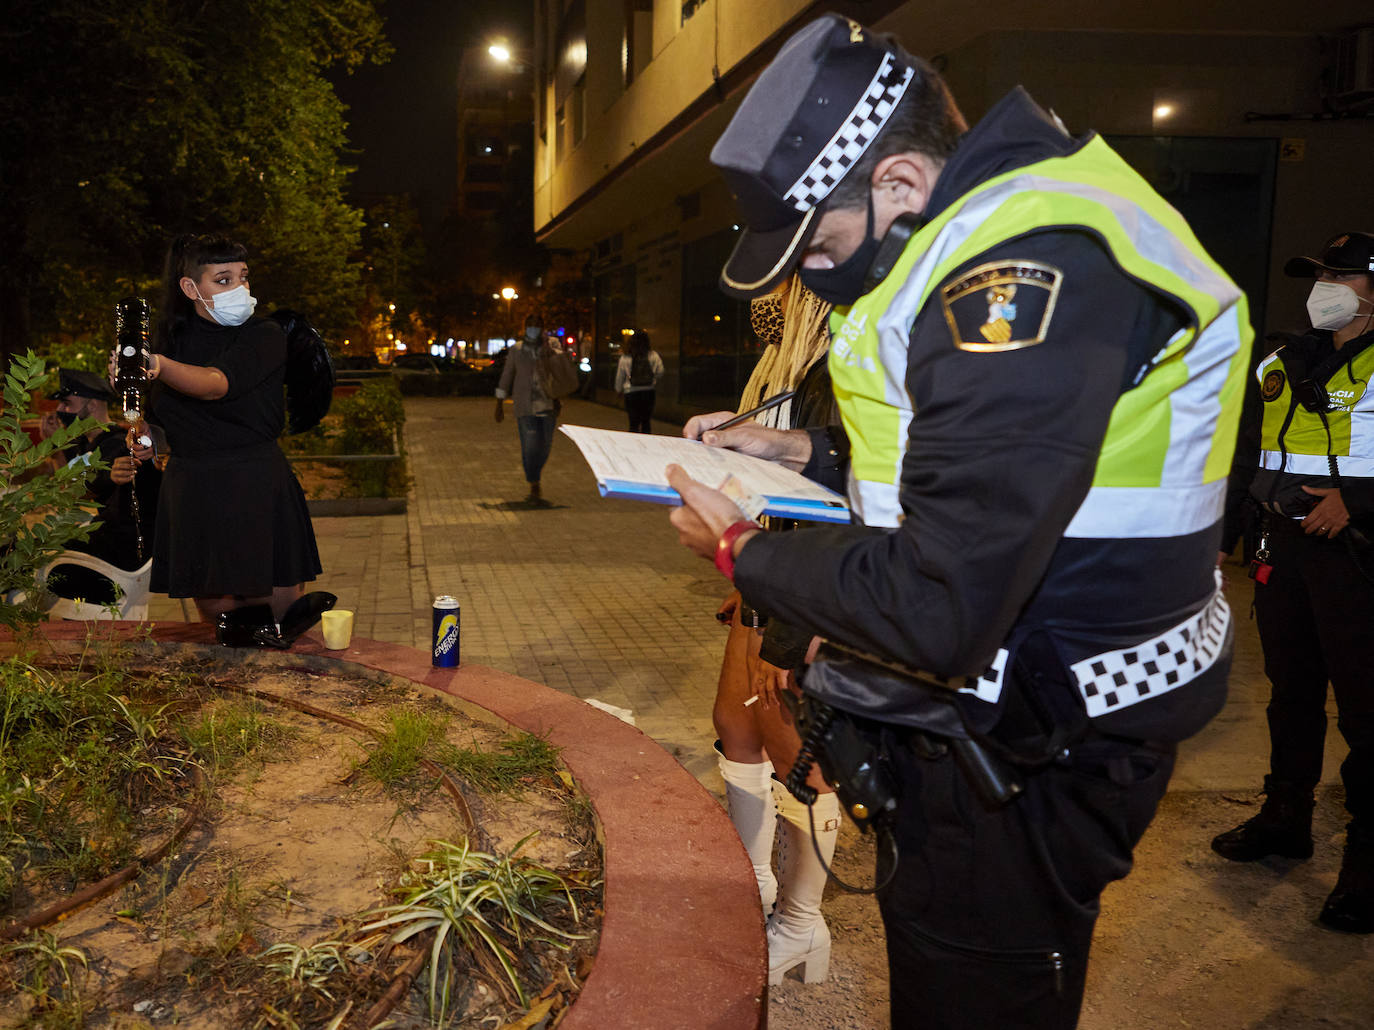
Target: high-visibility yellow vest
x=1351 y=421
x=1167 y=451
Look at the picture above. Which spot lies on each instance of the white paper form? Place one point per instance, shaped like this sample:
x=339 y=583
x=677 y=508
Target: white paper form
x=631 y=466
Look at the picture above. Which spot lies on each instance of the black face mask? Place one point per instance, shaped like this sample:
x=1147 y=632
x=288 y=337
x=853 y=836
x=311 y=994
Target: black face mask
x=844 y=284
x=67 y=417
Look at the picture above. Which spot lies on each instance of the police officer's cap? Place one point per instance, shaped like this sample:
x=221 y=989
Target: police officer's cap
x=1346 y=254
x=812 y=113
x=73 y=382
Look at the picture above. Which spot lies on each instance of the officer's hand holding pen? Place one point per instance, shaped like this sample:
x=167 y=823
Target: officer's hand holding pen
x=788 y=447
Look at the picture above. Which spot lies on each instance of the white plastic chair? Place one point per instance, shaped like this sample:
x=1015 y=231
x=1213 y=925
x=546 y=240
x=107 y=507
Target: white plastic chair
x=133 y=586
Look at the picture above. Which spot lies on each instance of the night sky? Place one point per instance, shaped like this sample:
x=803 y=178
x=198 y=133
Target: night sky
x=402 y=116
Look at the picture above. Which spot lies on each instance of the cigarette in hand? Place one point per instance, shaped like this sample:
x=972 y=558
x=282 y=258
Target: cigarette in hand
x=751 y=701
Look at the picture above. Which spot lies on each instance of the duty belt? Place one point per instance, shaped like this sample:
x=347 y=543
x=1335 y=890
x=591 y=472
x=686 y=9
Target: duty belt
x=1112 y=680
x=1118 y=679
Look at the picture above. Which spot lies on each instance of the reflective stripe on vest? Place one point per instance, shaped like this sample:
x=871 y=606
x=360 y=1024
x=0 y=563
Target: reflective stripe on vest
x=1167 y=451
x=1351 y=422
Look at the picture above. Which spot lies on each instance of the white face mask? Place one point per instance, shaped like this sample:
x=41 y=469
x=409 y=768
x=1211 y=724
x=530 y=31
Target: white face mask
x=1332 y=305
x=232 y=307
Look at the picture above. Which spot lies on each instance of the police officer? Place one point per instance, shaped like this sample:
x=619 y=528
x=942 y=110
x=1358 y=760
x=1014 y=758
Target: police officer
x=125 y=491
x=1314 y=571
x=1039 y=372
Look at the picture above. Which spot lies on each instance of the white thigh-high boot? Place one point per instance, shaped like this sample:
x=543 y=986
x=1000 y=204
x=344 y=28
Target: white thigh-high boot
x=797 y=934
x=748 y=792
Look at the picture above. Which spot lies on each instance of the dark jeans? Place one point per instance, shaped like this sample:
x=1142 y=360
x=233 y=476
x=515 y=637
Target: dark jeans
x=1316 y=619
x=990 y=916
x=536 y=439
x=639 y=405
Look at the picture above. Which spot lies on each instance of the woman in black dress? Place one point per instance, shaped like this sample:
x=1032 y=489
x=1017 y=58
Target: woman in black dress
x=232 y=525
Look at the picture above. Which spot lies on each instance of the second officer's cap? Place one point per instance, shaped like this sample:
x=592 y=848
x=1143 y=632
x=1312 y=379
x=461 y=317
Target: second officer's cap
x=1350 y=252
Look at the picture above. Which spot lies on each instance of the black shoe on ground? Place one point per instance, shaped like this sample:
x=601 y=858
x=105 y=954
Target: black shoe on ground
x=1351 y=905
x=1283 y=826
x=1259 y=838
x=1349 y=909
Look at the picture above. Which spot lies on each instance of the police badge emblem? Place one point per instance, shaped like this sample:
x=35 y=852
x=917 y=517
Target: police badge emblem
x=1004 y=305
x=1272 y=385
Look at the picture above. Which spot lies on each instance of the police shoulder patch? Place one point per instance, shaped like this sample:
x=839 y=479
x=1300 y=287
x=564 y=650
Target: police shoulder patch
x=1003 y=305
x=1272 y=385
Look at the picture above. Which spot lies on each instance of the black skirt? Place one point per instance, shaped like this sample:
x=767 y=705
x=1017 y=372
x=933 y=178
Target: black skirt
x=235 y=523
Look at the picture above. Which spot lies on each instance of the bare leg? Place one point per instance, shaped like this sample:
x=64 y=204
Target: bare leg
x=735 y=724
x=781 y=741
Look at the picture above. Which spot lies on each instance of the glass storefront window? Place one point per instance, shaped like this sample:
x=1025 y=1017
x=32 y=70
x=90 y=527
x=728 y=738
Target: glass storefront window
x=615 y=312
x=718 y=349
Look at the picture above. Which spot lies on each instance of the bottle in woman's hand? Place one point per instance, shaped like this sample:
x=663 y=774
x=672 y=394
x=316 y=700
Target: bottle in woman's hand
x=131 y=356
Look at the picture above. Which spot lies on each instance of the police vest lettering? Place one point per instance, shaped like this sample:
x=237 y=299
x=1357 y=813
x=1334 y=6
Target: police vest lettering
x=1167 y=452
x=1302 y=448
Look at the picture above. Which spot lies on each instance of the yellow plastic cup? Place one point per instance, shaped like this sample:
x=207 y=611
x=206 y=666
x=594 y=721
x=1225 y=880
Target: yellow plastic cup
x=338 y=628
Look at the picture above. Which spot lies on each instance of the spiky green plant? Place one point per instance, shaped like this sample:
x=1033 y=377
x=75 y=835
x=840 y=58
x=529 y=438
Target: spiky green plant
x=45 y=968
x=308 y=966
x=479 y=902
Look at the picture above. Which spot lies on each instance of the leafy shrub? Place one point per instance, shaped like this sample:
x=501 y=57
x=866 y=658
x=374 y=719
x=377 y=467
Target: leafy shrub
x=371 y=422
x=371 y=418
x=42 y=508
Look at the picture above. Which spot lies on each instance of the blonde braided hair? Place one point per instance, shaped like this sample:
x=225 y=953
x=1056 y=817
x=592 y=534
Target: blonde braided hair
x=802 y=338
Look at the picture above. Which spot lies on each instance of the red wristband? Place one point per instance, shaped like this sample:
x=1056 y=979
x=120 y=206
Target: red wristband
x=725 y=546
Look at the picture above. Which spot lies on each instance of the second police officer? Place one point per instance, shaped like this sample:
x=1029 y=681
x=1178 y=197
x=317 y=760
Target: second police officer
x=1314 y=570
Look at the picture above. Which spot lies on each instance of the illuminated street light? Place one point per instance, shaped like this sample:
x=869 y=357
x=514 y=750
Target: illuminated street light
x=508 y=292
x=499 y=52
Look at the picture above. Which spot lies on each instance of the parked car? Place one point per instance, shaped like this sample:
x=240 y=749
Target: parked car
x=414 y=364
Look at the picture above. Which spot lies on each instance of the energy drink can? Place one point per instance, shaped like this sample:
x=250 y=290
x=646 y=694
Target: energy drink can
x=447 y=623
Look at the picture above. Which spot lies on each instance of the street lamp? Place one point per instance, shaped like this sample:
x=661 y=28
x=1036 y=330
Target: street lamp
x=499 y=52
x=509 y=294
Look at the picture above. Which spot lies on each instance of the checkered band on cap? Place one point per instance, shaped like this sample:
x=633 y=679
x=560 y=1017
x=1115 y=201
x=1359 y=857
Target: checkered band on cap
x=852 y=138
x=1117 y=679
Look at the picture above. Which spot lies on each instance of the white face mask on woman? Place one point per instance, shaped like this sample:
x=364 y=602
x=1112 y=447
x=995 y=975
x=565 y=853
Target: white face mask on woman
x=232 y=307
x=1332 y=305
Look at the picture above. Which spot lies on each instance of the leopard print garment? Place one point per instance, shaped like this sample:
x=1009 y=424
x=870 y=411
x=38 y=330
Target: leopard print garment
x=765 y=316
x=794 y=323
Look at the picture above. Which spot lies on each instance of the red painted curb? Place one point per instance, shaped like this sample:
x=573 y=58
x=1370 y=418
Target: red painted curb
x=682 y=942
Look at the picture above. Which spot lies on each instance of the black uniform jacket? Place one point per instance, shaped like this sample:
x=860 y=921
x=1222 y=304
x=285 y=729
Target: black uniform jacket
x=1001 y=452
x=124 y=523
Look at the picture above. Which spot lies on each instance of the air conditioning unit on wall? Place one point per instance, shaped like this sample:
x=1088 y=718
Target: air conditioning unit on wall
x=1352 y=81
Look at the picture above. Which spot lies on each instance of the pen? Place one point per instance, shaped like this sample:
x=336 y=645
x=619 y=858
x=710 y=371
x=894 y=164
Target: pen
x=771 y=402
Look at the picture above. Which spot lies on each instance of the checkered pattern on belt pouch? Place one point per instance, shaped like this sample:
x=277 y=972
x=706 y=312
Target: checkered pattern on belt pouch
x=853 y=137
x=1117 y=679
x=986 y=687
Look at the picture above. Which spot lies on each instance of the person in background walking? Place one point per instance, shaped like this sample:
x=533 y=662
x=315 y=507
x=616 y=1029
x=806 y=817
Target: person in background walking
x=527 y=381
x=637 y=378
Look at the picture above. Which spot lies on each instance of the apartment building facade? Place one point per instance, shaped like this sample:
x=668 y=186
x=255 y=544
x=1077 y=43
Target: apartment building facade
x=1255 y=120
